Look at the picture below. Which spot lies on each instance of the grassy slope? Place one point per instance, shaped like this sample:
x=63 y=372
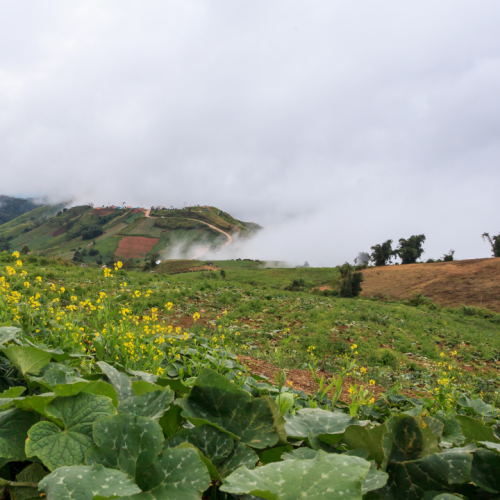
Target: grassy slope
x=396 y=342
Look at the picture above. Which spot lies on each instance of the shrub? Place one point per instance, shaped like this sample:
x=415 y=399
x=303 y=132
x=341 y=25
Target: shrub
x=385 y=357
x=494 y=242
x=448 y=257
x=93 y=252
x=350 y=281
x=77 y=257
x=297 y=285
x=25 y=250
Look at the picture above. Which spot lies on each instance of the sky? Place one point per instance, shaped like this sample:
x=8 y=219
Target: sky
x=334 y=125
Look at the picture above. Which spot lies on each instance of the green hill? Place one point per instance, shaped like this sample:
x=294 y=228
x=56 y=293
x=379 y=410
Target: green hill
x=11 y=207
x=101 y=234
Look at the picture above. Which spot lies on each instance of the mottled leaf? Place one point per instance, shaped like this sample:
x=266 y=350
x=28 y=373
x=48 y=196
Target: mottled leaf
x=84 y=483
x=317 y=422
x=152 y=404
x=8 y=333
x=57 y=447
x=214 y=400
x=125 y=442
x=326 y=476
x=478 y=406
x=172 y=420
x=120 y=381
x=177 y=474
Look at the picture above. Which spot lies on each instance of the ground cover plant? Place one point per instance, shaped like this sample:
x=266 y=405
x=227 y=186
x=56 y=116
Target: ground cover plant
x=121 y=383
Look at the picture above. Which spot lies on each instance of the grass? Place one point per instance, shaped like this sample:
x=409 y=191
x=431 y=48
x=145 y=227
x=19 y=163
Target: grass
x=397 y=344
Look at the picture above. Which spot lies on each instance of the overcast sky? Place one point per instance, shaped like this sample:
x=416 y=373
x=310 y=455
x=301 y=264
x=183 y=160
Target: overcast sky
x=336 y=125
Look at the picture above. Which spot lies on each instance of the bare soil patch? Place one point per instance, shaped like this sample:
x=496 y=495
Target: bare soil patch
x=470 y=282
x=59 y=231
x=131 y=247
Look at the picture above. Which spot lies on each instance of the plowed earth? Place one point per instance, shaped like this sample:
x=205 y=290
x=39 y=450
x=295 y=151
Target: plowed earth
x=131 y=247
x=470 y=282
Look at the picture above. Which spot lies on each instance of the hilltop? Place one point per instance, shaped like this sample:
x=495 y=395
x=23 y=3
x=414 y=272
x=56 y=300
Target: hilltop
x=100 y=234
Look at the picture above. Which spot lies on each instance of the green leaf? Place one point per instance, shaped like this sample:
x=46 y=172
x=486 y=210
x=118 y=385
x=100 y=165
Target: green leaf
x=436 y=426
x=491 y=446
x=317 y=422
x=452 y=435
x=438 y=472
x=478 y=406
x=34 y=473
x=36 y=403
x=14 y=426
x=84 y=483
x=215 y=445
x=141 y=387
x=27 y=359
x=175 y=384
x=326 y=476
x=8 y=333
x=147 y=377
x=485 y=470
x=76 y=414
x=214 y=400
x=285 y=402
x=435 y=495
x=172 y=420
x=120 y=381
x=125 y=442
x=12 y=392
x=242 y=455
x=474 y=430
x=177 y=474
x=97 y=387
x=274 y=454
x=301 y=454
x=152 y=404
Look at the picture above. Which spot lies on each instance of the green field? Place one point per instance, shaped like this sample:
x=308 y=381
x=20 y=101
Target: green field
x=243 y=381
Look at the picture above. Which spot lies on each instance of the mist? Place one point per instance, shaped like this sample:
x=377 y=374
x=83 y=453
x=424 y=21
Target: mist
x=335 y=126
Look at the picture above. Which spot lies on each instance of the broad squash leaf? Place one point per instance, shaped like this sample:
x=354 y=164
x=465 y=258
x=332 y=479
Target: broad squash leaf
x=97 y=387
x=242 y=455
x=478 y=406
x=27 y=359
x=326 y=476
x=8 y=333
x=177 y=474
x=214 y=400
x=474 y=430
x=141 y=387
x=317 y=422
x=84 y=483
x=376 y=441
x=36 y=403
x=120 y=381
x=34 y=473
x=14 y=427
x=125 y=442
x=410 y=480
x=152 y=404
x=485 y=470
x=147 y=377
x=374 y=480
x=172 y=420
x=57 y=447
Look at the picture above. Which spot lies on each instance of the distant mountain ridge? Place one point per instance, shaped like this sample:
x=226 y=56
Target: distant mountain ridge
x=11 y=207
x=100 y=234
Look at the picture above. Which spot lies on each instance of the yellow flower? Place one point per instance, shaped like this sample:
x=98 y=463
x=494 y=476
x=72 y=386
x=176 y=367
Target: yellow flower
x=169 y=305
x=362 y=369
x=372 y=382
x=442 y=354
x=15 y=255
x=26 y=284
x=196 y=316
x=137 y=293
x=39 y=279
x=19 y=263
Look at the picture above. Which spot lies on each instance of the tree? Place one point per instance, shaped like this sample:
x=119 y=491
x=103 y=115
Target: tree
x=77 y=257
x=362 y=259
x=411 y=249
x=448 y=257
x=25 y=250
x=223 y=274
x=382 y=254
x=494 y=242
x=350 y=282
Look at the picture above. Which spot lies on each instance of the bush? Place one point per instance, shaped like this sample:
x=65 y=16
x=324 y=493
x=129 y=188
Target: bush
x=93 y=252
x=385 y=357
x=297 y=285
x=25 y=250
x=494 y=242
x=448 y=257
x=350 y=282
x=91 y=232
x=77 y=257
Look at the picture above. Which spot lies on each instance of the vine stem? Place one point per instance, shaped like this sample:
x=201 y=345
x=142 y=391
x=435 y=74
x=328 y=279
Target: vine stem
x=13 y=484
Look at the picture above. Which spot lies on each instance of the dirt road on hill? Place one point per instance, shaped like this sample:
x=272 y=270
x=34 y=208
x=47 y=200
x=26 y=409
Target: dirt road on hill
x=471 y=282
x=203 y=250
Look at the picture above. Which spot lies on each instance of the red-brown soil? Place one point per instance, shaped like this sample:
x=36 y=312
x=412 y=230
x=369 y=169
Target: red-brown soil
x=59 y=231
x=132 y=247
x=470 y=282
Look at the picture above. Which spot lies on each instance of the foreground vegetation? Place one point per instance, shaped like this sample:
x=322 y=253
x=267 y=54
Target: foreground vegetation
x=124 y=383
